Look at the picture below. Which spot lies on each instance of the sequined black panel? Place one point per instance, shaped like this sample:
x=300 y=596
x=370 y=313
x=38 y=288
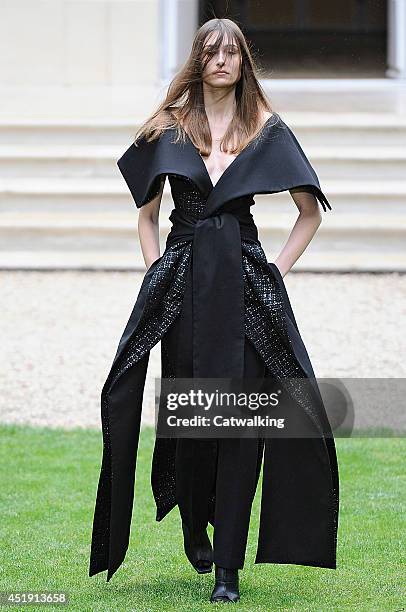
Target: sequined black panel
x=186 y=196
x=265 y=325
x=163 y=303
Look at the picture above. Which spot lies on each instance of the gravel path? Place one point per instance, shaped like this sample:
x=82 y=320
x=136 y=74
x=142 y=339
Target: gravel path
x=60 y=332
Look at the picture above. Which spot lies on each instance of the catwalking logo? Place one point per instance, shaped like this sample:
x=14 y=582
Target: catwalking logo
x=222 y=421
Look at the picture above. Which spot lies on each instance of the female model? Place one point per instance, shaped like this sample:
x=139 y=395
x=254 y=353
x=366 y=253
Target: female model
x=220 y=310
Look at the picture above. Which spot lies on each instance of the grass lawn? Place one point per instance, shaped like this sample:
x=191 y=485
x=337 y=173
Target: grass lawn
x=48 y=488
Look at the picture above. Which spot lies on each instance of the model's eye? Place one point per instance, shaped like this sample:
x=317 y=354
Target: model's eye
x=207 y=56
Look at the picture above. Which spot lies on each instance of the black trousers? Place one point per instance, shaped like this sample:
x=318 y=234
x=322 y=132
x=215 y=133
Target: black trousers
x=227 y=468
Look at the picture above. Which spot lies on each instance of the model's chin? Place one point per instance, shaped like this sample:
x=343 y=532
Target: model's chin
x=220 y=81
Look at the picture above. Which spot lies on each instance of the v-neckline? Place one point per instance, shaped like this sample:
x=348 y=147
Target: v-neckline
x=214 y=186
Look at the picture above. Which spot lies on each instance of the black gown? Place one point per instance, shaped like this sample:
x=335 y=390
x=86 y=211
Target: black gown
x=229 y=307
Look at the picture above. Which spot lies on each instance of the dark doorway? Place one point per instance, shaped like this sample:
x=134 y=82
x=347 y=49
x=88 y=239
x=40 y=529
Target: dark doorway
x=310 y=38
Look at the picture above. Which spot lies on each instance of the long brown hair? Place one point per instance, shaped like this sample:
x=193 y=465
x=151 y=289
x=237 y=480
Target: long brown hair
x=183 y=107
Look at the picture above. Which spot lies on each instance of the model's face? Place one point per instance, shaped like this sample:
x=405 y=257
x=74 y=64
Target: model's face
x=224 y=65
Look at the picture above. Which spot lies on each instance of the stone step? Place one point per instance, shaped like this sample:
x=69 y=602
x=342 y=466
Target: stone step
x=64 y=203
x=320 y=128
x=374 y=235
x=102 y=194
x=54 y=131
x=99 y=161
x=316 y=261
x=44 y=221
x=348 y=129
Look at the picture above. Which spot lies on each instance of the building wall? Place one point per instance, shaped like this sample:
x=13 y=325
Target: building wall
x=109 y=58
x=99 y=49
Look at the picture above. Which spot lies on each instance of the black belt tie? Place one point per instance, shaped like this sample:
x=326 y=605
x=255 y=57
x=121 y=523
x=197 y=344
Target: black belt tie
x=218 y=288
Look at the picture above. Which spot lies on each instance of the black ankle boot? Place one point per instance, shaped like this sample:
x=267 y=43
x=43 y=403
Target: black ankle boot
x=198 y=550
x=226 y=587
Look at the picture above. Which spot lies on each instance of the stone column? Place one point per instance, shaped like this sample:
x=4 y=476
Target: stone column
x=396 y=39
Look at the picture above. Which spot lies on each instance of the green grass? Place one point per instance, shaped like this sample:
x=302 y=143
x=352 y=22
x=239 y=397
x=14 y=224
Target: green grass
x=48 y=488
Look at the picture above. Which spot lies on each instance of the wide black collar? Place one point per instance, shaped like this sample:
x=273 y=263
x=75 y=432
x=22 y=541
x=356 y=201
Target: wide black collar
x=274 y=161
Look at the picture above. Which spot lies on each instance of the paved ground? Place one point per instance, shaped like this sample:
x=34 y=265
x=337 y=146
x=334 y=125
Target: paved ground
x=60 y=331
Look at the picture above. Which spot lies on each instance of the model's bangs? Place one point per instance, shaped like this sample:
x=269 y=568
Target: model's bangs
x=223 y=32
